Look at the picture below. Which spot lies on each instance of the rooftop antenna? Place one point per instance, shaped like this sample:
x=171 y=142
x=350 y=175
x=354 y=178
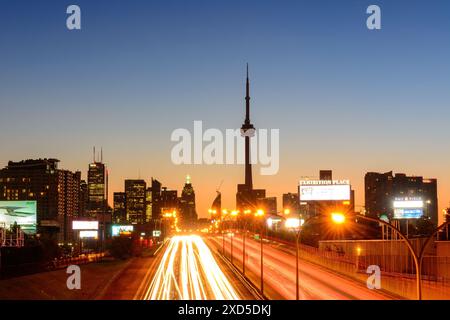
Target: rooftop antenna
x=101 y=154
x=94 y=153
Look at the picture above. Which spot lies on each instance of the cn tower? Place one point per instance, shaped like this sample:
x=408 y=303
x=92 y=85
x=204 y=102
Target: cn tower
x=247 y=131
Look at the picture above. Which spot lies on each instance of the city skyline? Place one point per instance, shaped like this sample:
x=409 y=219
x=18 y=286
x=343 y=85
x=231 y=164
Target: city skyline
x=318 y=66
x=239 y=150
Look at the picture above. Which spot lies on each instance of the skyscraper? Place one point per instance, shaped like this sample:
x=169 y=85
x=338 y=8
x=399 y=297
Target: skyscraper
x=84 y=198
x=148 y=204
x=187 y=203
x=119 y=213
x=169 y=200
x=97 y=188
x=69 y=200
x=156 y=199
x=135 y=194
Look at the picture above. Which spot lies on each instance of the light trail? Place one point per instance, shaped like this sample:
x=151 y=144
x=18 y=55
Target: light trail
x=316 y=283
x=189 y=271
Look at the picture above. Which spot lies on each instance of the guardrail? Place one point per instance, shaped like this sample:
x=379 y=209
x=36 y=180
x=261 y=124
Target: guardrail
x=84 y=259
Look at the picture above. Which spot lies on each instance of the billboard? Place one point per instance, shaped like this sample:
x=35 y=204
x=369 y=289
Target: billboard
x=118 y=230
x=408 y=208
x=84 y=225
x=88 y=234
x=21 y=212
x=324 y=190
x=156 y=233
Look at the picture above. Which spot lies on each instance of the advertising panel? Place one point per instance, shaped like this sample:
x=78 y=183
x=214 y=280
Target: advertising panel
x=118 y=230
x=21 y=212
x=84 y=225
x=408 y=208
x=88 y=234
x=324 y=190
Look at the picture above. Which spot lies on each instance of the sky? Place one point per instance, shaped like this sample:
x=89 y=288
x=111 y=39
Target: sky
x=343 y=97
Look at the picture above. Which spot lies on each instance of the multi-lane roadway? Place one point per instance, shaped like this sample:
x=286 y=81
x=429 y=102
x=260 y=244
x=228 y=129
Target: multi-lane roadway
x=189 y=271
x=189 y=268
x=316 y=283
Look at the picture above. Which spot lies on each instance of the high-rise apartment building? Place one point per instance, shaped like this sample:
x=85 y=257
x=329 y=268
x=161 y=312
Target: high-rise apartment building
x=57 y=193
x=382 y=189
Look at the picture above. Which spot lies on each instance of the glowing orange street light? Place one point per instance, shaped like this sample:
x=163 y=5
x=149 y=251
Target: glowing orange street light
x=287 y=211
x=358 y=251
x=338 y=218
x=167 y=215
x=259 y=213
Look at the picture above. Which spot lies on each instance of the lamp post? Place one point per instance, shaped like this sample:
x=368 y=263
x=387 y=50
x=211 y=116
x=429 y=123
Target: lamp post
x=246 y=212
x=222 y=219
x=234 y=214
x=339 y=218
x=231 y=244
x=297 y=278
x=422 y=253
x=297 y=254
x=260 y=213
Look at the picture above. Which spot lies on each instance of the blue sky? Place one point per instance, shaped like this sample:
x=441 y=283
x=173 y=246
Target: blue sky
x=343 y=97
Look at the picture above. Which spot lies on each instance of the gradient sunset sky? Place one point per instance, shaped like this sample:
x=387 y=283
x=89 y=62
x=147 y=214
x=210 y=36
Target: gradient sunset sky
x=344 y=98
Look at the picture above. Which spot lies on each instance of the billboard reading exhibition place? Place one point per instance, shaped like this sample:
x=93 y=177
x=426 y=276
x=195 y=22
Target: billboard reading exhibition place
x=324 y=190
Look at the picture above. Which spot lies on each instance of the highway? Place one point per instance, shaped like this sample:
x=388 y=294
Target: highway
x=316 y=283
x=189 y=271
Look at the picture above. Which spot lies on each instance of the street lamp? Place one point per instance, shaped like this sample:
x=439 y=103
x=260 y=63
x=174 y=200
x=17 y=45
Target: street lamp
x=234 y=213
x=339 y=218
x=336 y=217
x=246 y=212
x=222 y=220
x=260 y=213
x=298 y=226
x=422 y=253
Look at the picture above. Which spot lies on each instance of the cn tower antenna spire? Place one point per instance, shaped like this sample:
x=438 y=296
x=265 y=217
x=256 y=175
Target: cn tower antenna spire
x=247 y=100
